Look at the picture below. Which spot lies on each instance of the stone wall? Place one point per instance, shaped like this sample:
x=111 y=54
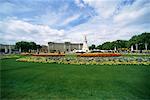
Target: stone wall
x=6 y=48
x=64 y=47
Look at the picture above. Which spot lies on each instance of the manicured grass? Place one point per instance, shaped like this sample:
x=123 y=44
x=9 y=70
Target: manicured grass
x=23 y=80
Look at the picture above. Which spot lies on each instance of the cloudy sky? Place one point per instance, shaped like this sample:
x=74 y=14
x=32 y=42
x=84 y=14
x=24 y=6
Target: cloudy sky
x=43 y=21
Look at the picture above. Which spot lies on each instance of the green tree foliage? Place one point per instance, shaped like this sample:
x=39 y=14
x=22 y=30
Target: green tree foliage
x=107 y=46
x=92 y=47
x=99 y=47
x=26 y=46
x=137 y=39
x=23 y=45
x=38 y=46
x=120 y=44
x=32 y=46
x=140 y=40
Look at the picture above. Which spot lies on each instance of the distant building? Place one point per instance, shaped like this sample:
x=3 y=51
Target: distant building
x=64 y=47
x=43 y=49
x=4 y=48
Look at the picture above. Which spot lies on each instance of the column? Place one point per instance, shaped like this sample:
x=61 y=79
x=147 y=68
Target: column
x=37 y=51
x=146 y=46
x=115 y=48
x=64 y=47
x=20 y=50
x=132 y=49
x=6 y=50
x=79 y=47
x=69 y=48
x=9 y=49
x=48 y=47
x=136 y=46
x=53 y=46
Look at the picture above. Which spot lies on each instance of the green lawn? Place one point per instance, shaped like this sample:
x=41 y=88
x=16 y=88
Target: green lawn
x=22 y=80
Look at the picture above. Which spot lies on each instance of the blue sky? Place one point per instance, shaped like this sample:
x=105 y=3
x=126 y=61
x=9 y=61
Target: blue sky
x=43 y=21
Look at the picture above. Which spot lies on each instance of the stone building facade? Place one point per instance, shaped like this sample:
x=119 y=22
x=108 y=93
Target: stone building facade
x=43 y=49
x=4 y=48
x=64 y=47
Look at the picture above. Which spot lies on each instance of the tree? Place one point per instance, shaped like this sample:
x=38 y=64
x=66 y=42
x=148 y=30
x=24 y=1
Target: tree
x=120 y=44
x=26 y=46
x=141 y=40
x=92 y=47
x=23 y=45
x=38 y=46
x=99 y=47
x=32 y=46
x=107 y=46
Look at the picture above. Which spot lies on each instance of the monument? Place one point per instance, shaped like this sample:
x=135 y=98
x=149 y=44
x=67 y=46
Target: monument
x=85 y=45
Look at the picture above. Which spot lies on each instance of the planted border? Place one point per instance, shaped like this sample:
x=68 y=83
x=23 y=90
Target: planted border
x=89 y=60
x=99 y=55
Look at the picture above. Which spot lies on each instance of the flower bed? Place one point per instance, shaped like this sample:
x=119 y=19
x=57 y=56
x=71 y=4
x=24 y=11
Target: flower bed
x=49 y=54
x=26 y=54
x=78 y=55
x=89 y=60
x=99 y=55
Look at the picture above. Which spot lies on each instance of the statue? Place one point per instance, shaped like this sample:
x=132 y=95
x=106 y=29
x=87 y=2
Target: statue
x=85 y=46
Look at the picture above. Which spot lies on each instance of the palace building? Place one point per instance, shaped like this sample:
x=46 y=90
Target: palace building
x=64 y=47
x=5 y=48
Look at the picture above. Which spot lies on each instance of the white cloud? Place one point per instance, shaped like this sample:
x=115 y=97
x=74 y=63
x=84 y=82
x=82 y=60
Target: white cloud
x=20 y=30
x=9 y=8
x=105 y=26
x=70 y=19
x=58 y=19
x=79 y=3
x=134 y=14
x=104 y=8
x=132 y=20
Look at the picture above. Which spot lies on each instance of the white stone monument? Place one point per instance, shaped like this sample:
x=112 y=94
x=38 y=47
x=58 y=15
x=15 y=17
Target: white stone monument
x=85 y=45
x=132 y=49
